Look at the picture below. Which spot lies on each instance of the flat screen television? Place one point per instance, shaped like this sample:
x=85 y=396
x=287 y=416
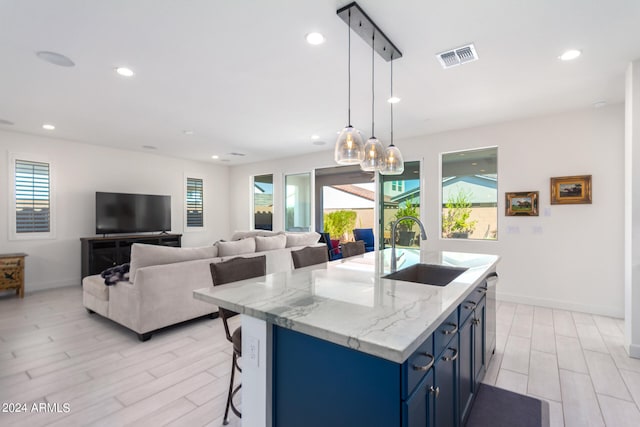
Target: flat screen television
x=132 y=213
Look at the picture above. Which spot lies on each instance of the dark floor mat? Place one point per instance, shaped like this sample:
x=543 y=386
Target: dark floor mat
x=496 y=407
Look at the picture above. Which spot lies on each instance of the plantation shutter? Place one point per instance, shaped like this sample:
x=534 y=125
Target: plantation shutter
x=33 y=197
x=195 y=214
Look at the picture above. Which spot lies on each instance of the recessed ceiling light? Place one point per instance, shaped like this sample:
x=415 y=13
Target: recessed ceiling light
x=48 y=126
x=124 y=71
x=187 y=132
x=315 y=38
x=6 y=122
x=393 y=100
x=570 y=55
x=55 y=58
x=599 y=104
x=314 y=136
x=215 y=157
x=474 y=164
x=149 y=147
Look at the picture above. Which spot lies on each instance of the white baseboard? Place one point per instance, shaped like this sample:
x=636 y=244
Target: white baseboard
x=42 y=286
x=617 y=312
x=634 y=351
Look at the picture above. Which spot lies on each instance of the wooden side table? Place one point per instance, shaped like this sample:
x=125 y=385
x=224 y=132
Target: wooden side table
x=12 y=272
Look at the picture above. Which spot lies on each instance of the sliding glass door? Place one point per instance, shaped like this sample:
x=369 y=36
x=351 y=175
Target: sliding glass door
x=400 y=196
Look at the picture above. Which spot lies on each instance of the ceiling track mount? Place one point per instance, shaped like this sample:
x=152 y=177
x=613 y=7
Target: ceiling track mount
x=364 y=26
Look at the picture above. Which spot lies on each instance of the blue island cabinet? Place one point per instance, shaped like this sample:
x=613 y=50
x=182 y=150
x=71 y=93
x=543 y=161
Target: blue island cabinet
x=316 y=383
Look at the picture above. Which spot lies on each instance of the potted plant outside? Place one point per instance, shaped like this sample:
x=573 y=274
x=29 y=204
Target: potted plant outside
x=405 y=227
x=455 y=220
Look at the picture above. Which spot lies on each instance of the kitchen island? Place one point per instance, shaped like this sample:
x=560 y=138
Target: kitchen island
x=339 y=344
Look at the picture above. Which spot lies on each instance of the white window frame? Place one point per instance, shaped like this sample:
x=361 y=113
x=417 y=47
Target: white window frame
x=187 y=229
x=13 y=234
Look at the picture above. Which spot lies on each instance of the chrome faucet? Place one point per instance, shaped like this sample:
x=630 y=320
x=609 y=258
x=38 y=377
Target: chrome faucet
x=423 y=236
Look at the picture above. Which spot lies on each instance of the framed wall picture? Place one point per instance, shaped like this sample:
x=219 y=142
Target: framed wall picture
x=521 y=204
x=571 y=190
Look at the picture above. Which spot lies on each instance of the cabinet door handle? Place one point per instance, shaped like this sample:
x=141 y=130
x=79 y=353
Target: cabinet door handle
x=482 y=290
x=427 y=366
x=453 y=331
x=452 y=358
x=470 y=307
x=435 y=390
x=476 y=321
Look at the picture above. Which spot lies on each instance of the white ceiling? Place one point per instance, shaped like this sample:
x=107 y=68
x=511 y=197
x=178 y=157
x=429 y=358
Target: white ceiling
x=241 y=76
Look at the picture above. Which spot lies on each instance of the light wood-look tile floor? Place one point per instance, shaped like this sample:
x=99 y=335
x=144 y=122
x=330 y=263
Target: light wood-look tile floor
x=53 y=352
x=575 y=361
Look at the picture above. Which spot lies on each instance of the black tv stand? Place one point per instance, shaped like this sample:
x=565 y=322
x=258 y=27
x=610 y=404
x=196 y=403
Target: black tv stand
x=100 y=253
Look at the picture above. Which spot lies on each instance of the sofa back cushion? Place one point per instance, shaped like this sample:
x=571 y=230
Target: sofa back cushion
x=302 y=239
x=143 y=255
x=238 y=247
x=270 y=243
x=239 y=235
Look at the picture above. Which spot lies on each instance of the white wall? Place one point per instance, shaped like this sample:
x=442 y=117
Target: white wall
x=79 y=170
x=570 y=256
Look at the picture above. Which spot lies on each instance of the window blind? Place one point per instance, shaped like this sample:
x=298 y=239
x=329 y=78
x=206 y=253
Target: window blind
x=195 y=210
x=33 y=197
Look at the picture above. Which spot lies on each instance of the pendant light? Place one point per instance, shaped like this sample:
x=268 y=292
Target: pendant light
x=393 y=161
x=373 y=149
x=349 y=146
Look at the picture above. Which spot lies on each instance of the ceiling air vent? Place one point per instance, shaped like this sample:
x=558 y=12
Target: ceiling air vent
x=457 y=56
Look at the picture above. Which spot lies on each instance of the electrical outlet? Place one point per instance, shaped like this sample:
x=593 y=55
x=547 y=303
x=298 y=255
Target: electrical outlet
x=252 y=352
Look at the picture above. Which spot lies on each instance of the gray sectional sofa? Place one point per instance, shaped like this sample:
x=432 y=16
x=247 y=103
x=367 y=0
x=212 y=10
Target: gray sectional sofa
x=162 y=279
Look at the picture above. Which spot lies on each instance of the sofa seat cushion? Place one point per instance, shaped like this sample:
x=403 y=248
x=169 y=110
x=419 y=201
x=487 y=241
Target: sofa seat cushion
x=143 y=255
x=94 y=285
x=237 y=247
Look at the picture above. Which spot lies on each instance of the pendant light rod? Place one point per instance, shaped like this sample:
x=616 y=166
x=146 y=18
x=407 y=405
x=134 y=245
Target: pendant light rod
x=373 y=91
x=391 y=63
x=353 y=15
x=349 y=72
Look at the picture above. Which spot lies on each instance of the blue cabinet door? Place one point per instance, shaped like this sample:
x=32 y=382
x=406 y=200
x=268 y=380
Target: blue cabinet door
x=446 y=381
x=479 y=341
x=467 y=372
x=417 y=411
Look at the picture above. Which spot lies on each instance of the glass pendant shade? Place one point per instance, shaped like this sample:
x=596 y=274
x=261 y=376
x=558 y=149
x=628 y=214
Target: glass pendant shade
x=393 y=161
x=373 y=155
x=349 y=147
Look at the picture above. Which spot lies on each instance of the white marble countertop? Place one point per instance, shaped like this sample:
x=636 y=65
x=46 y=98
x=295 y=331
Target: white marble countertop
x=348 y=303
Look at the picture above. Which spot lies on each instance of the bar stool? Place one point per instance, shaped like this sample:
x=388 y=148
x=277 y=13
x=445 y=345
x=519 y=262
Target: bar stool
x=226 y=272
x=353 y=248
x=310 y=255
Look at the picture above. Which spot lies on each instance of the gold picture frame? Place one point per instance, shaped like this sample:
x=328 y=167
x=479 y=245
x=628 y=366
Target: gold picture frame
x=524 y=203
x=566 y=190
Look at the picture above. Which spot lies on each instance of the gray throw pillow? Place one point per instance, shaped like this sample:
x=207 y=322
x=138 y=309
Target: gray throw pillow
x=270 y=243
x=238 y=247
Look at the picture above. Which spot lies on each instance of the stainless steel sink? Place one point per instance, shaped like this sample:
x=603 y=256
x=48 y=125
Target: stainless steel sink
x=428 y=274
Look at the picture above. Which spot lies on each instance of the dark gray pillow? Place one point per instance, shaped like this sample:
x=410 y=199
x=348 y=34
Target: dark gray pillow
x=310 y=255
